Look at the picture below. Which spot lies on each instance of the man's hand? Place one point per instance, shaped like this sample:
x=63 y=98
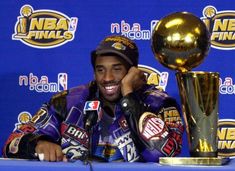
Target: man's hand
x=134 y=80
x=49 y=151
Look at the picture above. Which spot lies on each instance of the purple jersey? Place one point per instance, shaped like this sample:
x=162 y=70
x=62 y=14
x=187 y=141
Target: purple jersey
x=154 y=131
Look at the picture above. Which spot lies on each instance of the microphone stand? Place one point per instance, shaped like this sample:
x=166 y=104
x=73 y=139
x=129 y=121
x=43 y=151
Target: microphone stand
x=90 y=132
x=88 y=155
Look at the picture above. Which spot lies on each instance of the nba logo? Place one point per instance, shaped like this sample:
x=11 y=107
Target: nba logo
x=73 y=24
x=153 y=24
x=92 y=105
x=62 y=81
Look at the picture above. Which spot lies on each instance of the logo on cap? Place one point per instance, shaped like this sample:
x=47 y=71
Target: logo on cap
x=119 y=46
x=122 y=40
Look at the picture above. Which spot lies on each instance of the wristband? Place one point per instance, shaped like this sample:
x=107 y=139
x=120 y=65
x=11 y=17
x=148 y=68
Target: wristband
x=129 y=103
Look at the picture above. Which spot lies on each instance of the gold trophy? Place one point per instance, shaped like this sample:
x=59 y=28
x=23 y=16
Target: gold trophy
x=24 y=21
x=181 y=41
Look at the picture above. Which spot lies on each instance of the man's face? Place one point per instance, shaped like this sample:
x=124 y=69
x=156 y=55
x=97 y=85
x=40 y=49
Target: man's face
x=109 y=71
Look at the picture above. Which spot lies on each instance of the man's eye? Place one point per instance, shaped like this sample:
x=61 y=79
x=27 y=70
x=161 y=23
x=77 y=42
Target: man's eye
x=117 y=69
x=99 y=70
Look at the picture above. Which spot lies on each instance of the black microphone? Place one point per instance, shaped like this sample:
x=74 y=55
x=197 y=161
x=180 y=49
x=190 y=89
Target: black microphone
x=92 y=111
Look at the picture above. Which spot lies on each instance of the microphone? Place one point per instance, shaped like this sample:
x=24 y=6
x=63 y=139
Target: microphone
x=92 y=111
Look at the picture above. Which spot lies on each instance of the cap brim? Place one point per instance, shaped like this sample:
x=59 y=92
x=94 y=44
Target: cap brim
x=105 y=51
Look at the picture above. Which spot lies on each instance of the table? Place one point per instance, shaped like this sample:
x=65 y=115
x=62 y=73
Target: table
x=25 y=165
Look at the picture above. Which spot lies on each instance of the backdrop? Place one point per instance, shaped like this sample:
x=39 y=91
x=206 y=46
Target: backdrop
x=45 y=48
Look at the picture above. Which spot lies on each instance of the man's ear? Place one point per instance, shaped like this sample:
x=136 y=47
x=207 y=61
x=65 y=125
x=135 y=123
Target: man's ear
x=94 y=76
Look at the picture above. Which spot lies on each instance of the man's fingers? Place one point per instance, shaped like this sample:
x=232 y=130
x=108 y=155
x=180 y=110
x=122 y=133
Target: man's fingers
x=48 y=151
x=52 y=155
x=59 y=155
x=46 y=156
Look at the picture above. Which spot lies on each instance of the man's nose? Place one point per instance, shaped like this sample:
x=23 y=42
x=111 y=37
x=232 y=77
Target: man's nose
x=108 y=76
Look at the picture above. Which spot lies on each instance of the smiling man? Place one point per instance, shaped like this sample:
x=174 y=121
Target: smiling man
x=134 y=122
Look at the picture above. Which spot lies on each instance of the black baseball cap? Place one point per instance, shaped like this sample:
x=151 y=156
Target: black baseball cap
x=118 y=45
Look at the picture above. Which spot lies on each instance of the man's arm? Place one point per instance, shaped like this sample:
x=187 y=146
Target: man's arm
x=156 y=131
x=40 y=135
x=154 y=120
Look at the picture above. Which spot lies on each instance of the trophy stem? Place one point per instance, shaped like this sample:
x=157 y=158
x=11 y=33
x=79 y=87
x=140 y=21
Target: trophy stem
x=199 y=98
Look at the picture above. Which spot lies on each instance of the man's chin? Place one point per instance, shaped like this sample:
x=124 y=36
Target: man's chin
x=112 y=98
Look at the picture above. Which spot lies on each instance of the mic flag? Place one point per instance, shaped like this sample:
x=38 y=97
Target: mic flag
x=92 y=111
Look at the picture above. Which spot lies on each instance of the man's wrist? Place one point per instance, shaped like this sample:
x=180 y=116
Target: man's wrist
x=126 y=90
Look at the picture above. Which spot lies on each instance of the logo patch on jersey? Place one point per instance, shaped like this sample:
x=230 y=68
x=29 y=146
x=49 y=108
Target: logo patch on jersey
x=172 y=117
x=169 y=147
x=23 y=118
x=41 y=116
x=77 y=134
x=127 y=147
x=72 y=149
x=123 y=123
x=109 y=151
x=13 y=147
x=152 y=127
x=27 y=128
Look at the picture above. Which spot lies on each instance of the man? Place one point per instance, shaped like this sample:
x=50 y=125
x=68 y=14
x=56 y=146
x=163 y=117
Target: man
x=138 y=122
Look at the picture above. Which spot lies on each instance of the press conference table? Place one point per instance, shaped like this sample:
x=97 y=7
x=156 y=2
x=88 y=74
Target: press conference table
x=25 y=165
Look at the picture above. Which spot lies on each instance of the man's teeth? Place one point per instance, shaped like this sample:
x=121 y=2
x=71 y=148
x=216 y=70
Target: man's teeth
x=109 y=87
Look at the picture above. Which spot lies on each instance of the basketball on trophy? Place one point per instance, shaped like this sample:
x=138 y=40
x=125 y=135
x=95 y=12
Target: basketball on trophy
x=180 y=41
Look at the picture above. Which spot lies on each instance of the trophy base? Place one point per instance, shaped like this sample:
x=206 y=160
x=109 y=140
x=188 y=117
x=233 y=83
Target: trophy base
x=203 y=154
x=207 y=161
x=20 y=36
